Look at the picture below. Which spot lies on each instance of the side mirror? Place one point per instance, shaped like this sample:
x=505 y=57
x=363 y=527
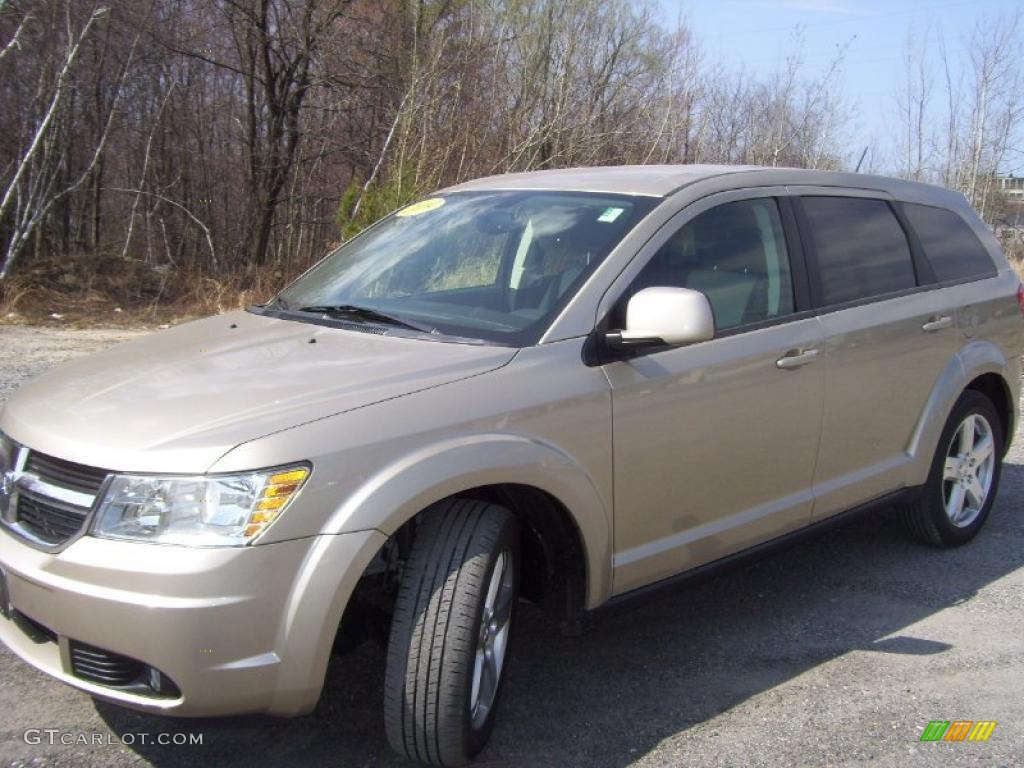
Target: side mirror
x=672 y=316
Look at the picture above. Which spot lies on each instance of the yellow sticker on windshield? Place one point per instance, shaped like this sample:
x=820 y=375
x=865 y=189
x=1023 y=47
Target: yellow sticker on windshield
x=422 y=206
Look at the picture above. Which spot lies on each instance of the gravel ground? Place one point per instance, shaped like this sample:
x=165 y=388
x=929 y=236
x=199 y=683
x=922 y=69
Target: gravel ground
x=836 y=652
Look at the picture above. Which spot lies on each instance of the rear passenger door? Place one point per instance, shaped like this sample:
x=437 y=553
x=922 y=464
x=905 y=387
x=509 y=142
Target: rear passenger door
x=889 y=334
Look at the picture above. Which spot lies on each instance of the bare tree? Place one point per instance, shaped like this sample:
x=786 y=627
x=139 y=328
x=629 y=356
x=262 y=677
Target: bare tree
x=275 y=43
x=33 y=188
x=234 y=140
x=913 y=102
x=981 y=117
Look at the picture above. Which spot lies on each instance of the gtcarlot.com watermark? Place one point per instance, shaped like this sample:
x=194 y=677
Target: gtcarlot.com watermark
x=55 y=736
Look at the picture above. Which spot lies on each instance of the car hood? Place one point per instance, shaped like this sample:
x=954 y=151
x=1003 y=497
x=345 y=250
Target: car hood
x=177 y=400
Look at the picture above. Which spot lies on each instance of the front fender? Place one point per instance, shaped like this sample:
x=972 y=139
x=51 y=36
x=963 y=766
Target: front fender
x=358 y=526
x=397 y=492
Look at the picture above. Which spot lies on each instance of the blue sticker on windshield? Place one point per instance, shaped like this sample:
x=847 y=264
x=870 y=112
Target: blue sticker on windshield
x=610 y=215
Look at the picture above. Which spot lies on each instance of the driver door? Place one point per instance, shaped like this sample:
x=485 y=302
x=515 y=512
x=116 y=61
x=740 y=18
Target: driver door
x=715 y=443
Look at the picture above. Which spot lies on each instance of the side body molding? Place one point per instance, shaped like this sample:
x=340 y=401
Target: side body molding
x=422 y=477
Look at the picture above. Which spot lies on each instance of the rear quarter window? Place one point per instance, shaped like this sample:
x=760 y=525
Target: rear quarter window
x=862 y=251
x=949 y=244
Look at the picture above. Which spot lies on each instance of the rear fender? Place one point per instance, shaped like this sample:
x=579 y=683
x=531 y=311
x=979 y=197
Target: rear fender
x=973 y=360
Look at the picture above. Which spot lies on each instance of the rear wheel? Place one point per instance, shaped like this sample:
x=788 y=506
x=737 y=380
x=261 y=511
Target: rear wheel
x=450 y=632
x=961 y=487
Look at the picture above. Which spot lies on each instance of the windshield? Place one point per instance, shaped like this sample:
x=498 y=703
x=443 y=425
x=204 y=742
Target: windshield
x=496 y=266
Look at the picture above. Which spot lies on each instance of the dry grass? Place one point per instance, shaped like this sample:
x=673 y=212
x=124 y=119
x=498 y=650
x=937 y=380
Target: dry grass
x=1014 y=250
x=1019 y=266
x=112 y=292
x=98 y=291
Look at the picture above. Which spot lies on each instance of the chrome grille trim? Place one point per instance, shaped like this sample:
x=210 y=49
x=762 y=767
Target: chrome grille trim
x=35 y=485
x=51 y=499
x=68 y=475
x=49 y=522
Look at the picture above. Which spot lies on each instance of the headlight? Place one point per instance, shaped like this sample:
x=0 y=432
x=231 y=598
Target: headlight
x=214 y=510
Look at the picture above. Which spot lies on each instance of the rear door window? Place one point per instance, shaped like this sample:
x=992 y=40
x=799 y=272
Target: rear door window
x=950 y=246
x=862 y=251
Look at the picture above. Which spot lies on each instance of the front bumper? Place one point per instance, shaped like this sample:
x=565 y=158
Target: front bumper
x=246 y=629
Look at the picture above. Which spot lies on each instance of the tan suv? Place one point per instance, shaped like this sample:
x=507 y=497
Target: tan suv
x=556 y=387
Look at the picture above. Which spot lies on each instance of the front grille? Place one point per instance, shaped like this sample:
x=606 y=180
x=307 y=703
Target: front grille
x=49 y=520
x=105 y=667
x=54 y=498
x=66 y=474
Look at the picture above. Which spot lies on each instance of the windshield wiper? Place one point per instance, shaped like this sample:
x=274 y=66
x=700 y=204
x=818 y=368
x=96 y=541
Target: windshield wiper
x=365 y=314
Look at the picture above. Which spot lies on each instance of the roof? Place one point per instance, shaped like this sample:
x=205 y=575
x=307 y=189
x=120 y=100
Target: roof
x=658 y=180
x=663 y=180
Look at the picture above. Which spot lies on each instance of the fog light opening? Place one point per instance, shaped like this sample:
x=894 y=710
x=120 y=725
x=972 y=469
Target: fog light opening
x=160 y=684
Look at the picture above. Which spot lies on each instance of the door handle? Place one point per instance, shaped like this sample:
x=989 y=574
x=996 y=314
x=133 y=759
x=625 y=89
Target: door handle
x=796 y=358
x=937 y=324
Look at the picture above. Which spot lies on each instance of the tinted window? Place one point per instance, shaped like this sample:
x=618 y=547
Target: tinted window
x=953 y=250
x=734 y=254
x=861 y=247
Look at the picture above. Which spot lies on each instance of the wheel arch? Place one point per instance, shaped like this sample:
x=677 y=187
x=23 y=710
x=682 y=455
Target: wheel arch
x=554 y=567
x=995 y=388
x=553 y=495
x=979 y=365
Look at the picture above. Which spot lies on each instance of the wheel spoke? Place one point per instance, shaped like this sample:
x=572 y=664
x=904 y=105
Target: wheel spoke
x=951 y=471
x=967 y=436
x=982 y=449
x=478 y=670
x=503 y=608
x=500 y=642
x=489 y=679
x=955 y=505
x=975 y=493
x=492 y=588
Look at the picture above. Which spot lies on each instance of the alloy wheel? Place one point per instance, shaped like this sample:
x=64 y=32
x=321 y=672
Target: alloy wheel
x=492 y=642
x=968 y=471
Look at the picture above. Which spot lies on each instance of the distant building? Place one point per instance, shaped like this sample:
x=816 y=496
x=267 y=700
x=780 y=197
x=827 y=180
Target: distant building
x=1013 y=187
x=1012 y=220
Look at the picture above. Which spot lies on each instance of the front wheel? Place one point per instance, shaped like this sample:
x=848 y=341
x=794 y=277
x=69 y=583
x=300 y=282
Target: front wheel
x=961 y=487
x=450 y=632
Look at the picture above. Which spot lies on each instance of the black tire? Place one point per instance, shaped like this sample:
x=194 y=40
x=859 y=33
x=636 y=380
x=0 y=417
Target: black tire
x=437 y=625
x=925 y=518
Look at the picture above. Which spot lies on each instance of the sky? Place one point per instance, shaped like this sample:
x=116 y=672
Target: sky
x=757 y=34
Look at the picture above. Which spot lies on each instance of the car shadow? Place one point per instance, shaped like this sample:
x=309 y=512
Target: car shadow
x=639 y=676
